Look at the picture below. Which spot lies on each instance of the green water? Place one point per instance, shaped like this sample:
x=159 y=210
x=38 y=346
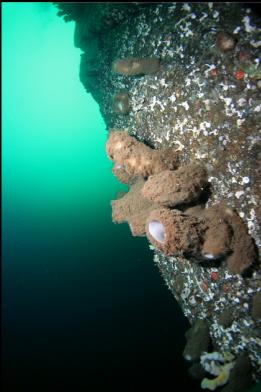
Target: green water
x=83 y=305
x=53 y=134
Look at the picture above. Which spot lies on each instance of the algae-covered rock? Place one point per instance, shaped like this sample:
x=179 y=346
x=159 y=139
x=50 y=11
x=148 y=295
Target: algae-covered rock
x=202 y=103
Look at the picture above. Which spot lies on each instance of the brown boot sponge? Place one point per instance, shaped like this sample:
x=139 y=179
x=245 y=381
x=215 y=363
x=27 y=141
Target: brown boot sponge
x=244 y=252
x=124 y=177
x=137 y=158
x=170 y=188
x=132 y=208
x=217 y=233
x=174 y=233
x=217 y=242
x=227 y=233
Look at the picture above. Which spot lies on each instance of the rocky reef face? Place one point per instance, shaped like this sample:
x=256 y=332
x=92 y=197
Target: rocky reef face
x=181 y=82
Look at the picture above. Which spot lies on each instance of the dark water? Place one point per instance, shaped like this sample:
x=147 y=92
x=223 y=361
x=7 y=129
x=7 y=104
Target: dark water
x=83 y=306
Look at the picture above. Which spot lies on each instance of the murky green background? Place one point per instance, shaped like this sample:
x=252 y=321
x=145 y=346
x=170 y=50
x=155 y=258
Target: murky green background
x=83 y=305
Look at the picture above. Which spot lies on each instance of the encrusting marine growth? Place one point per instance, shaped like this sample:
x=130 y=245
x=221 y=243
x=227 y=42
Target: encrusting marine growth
x=187 y=75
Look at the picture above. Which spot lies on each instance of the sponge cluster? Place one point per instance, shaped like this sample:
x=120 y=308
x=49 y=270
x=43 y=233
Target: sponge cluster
x=166 y=203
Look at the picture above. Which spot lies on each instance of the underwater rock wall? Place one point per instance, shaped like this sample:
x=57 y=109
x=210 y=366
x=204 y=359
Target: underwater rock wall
x=186 y=77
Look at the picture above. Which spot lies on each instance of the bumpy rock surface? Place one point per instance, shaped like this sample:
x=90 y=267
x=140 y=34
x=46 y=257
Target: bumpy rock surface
x=204 y=102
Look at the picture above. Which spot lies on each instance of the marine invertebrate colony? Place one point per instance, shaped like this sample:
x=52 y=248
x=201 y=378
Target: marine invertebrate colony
x=182 y=233
x=132 y=208
x=137 y=158
x=195 y=233
x=136 y=66
x=170 y=188
x=214 y=233
x=218 y=365
x=227 y=233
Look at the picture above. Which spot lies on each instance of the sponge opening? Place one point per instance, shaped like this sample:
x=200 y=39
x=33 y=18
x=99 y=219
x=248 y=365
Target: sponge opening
x=157 y=231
